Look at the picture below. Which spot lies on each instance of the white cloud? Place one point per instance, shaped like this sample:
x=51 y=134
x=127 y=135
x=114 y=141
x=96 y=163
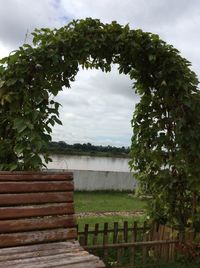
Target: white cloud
x=20 y=17
x=3 y=51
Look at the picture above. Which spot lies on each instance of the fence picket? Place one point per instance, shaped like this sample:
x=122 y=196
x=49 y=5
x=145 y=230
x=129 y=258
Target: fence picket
x=125 y=231
x=166 y=248
x=119 y=251
x=132 y=251
x=161 y=234
x=82 y=240
x=105 y=240
x=86 y=234
x=135 y=226
x=95 y=237
x=115 y=232
x=144 y=229
x=144 y=251
x=172 y=246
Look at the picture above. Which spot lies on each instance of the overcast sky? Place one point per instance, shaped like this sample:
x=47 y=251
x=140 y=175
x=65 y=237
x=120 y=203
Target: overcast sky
x=98 y=108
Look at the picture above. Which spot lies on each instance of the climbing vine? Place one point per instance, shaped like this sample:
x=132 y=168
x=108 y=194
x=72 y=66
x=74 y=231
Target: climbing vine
x=165 y=144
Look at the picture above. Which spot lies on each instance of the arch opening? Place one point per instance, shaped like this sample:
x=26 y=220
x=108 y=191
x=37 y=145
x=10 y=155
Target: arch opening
x=97 y=109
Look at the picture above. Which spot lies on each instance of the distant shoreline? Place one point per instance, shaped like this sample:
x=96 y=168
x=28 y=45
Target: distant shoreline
x=92 y=154
x=87 y=149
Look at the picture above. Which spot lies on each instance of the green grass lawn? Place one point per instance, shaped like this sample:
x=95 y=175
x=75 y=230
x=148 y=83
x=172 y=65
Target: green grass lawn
x=106 y=201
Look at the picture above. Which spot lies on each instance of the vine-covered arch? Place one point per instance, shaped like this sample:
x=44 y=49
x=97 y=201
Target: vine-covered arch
x=32 y=74
x=163 y=145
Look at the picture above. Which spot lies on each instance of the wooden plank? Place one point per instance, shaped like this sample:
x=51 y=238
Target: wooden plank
x=35 y=198
x=35 y=176
x=96 y=264
x=25 y=238
x=173 y=235
x=50 y=249
x=37 y=259
x=27 y=187
x=66 y=259
x=161 y=232
x=136 y=244
x=154 y=231
x=36 y=210
x=165 y=248
x=36 y=253
x=189 y=236
x=93 y=264
x=40 y=247
x=170 y=233
x=39 y=223
x=43 y=171
x=156 y=238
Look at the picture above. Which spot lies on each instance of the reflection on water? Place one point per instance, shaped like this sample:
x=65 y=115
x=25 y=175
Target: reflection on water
x=89 y=163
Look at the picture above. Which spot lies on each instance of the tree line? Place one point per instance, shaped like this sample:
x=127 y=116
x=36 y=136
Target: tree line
x=62 y=147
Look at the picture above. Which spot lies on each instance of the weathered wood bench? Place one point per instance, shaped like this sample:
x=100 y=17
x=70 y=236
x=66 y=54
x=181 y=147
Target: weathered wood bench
x=37 y=222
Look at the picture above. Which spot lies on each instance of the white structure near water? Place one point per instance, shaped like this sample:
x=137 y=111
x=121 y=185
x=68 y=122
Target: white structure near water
x=96 y=173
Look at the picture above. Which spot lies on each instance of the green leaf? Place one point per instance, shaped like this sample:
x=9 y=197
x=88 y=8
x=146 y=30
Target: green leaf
x=19 y=148
x=12 y=167
x=11 y=82
x=19 y=125
x=2 y=83
x=57 y=121
x=152 y=58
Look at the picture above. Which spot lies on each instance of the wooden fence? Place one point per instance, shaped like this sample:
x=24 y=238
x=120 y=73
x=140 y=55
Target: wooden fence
x=129 y=245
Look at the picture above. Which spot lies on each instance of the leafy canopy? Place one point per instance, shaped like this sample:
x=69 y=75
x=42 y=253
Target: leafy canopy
x=165 y=143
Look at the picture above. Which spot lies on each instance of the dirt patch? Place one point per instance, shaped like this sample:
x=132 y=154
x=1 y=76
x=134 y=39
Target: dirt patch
x=110 y=213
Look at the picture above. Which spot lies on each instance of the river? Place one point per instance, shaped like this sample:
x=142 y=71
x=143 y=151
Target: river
x=95 y=163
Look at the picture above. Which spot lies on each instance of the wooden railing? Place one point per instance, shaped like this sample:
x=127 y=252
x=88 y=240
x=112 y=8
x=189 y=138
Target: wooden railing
x=129 y=245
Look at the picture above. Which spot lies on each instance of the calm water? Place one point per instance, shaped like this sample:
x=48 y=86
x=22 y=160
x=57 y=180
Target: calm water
x=89 y=163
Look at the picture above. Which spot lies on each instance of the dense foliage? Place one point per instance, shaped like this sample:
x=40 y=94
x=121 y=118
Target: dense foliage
x=165 y=144
x=62 y=147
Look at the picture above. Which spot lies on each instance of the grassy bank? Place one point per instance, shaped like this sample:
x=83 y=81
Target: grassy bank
x=107 y=201
x=98 y=202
